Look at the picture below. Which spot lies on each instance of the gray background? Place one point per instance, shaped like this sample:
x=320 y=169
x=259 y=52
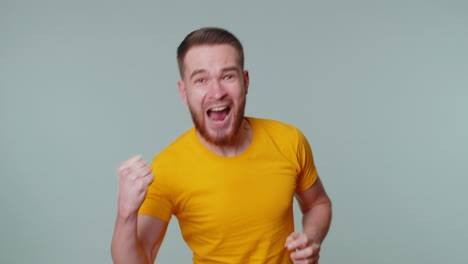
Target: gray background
x=378 y=87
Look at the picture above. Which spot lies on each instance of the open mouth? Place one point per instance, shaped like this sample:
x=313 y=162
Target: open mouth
x=218 y=113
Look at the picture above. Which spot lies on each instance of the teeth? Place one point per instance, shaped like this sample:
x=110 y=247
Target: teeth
x=219 y=108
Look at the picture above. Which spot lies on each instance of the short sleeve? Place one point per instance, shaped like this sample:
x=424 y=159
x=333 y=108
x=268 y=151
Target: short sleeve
x=157 y=202
x=307 y=173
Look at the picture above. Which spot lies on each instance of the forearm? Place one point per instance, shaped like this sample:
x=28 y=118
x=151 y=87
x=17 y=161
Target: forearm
x=316 y=222
x=126 y=248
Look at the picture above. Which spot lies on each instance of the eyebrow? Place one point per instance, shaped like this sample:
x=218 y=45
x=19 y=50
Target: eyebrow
x=225 y=69
x=230 y=68
x=195 y=72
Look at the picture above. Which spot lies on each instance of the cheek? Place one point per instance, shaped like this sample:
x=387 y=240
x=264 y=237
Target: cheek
x=240 y=93
x=195 y=99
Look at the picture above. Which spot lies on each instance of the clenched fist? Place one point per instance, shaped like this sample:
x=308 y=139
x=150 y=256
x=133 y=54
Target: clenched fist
x=303 y=250
x=134 y=178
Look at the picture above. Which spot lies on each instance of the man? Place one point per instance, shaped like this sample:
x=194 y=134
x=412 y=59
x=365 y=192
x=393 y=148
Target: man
x=230 y=180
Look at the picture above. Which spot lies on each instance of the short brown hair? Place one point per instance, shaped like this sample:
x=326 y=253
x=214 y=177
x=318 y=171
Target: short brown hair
x=208 y=36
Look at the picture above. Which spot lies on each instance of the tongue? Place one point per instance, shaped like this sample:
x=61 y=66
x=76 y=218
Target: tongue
x=219 y=115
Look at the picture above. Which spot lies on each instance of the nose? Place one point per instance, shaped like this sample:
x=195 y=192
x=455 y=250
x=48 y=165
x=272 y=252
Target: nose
x=217 y=91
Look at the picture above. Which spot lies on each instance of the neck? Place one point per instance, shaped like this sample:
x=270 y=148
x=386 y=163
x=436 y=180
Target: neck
x=239 y=145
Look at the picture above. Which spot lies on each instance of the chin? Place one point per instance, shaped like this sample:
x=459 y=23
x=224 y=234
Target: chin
x=219 y=138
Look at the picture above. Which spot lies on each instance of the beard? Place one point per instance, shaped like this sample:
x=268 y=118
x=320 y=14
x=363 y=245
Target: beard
x=221 y=136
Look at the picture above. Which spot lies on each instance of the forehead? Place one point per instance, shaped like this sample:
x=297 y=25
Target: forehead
x=211 y=57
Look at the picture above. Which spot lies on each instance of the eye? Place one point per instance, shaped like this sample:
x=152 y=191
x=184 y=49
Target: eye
x=200 y=80
x=228 y=77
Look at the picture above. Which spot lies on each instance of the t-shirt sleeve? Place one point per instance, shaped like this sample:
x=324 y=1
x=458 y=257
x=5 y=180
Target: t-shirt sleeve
x=307 y=172
x=157 y=202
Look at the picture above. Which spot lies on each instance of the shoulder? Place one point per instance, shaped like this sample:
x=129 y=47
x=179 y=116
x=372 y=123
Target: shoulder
x=284 y=137
x=276 y=128
x=175 y=149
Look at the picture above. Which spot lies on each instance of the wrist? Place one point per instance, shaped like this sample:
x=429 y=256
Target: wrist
x=314 y=237
x=127 y=215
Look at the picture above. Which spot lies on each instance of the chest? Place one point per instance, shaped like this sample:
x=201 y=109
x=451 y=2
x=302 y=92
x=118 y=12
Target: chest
x=223 y=196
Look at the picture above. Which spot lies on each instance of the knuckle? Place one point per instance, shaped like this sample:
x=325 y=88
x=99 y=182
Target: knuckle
x=138 y=163
x=122 y=171
x=142 y=163
x=141 y=185
x=150 y=178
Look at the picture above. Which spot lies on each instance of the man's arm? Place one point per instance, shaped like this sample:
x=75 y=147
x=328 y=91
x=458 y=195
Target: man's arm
x=316 y=208
x=136 y=238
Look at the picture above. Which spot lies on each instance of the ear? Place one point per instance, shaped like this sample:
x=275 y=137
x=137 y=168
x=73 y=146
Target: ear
x=182 y=91
x=246 y=80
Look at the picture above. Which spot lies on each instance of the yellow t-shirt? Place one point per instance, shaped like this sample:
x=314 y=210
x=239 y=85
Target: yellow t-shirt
x=233 y=209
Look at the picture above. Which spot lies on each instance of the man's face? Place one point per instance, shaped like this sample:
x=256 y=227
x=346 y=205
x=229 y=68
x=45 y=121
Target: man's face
x=214 y=87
